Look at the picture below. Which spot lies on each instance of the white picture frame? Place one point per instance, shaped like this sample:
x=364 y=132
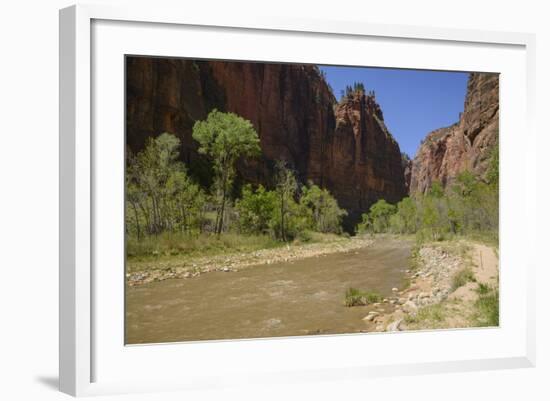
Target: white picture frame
x=83 y=353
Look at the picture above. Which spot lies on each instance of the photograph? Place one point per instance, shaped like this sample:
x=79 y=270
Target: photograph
x=269 y=199
x=292 y=200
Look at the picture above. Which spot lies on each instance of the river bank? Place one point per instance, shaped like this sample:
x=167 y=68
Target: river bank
x=300 y=290
x=140 y=272
x=452 y=284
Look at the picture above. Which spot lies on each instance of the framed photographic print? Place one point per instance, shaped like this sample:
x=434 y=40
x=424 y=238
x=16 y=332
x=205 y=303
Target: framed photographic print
x=296 y=200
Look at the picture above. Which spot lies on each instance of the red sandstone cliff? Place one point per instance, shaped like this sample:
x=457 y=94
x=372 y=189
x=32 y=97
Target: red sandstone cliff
x=364 y=158
x=344 y=147
x=466 y=145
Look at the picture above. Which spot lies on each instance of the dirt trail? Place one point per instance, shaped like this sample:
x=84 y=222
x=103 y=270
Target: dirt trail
x=485 y=269
x=486 y=264
x=433 y=286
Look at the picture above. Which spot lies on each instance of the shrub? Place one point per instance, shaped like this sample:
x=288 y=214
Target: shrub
x=462 y=277
x=483 y=289
x=255 y=210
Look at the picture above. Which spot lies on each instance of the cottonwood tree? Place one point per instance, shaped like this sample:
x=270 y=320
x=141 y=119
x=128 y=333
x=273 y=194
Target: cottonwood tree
x=225 y=137
x=256 y=209
x=326 y=215
x=186 y=200
x=379 y=214
x=469 y=206
x=286 y=190
x=404 y=221
x=150 y=171
x=160 y=196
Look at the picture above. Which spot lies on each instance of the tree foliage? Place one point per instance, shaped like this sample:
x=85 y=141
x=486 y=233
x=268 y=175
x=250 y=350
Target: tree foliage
x=285 y=222
x=256 y=210
x=377 y=220
x=325 y=214
x=470 y=205
x=225 y=137
x=492 y=175
x=289 y=209
x=160 y=196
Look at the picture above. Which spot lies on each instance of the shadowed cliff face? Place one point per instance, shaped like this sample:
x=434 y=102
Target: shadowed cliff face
x=466 y=145
x=365 y=160
x=344 y=147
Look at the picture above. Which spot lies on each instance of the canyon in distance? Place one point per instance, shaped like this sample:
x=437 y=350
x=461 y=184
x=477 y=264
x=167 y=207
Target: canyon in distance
x=261 y=203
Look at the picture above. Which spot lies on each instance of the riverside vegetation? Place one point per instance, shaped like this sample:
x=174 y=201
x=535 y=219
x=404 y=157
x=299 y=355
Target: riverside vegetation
x=455 y=221
x=176 y=227
x=468 y=207
x=169 y=215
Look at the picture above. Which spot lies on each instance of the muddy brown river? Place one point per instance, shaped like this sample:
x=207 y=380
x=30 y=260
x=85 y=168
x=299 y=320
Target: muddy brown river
x=293 y=298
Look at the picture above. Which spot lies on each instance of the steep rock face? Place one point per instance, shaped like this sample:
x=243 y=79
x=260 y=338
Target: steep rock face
x=365 y=160
x=466 y=145
x=169 y=95
x=344 y=147
x=406 y=162
x=291 y=108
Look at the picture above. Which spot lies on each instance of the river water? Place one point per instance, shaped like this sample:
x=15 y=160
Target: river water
x=300 y=297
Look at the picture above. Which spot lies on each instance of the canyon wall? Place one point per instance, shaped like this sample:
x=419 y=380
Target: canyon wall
x=364 y=158
x=466 y=145
x=343 y=146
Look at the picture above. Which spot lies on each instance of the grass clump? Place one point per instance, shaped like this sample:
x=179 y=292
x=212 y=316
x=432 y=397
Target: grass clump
x=483 y=289
x=462 y=277
x=486 y=307
x=431 y=314
x=356 y=297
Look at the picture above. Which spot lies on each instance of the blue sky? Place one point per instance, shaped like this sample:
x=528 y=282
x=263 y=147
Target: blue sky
x=414 y=102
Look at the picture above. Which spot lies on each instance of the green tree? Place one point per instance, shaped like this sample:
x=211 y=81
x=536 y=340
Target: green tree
x=397 y=225
x=465 y=183
x=365 y=225
x=225 y=137
x=406 y=216
x=429 y=216
x=326 y=215
x=379 y=215
x=160 y=196
x=492 y=175
x=150 y=171
x=455 y=213
x=286 y=190
x=256 y=209
x=187 y=200
x=133 y=199
x=436 y=190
